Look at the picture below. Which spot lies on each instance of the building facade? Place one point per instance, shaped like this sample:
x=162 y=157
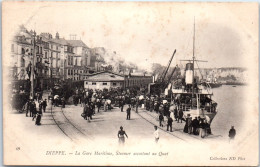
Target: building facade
x=137 y=80
x=104 y=80
x=81 y=58
x=27 y=50
x=57 y=59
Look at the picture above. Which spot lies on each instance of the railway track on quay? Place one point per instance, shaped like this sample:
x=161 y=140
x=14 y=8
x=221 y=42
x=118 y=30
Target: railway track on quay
x=180 y=135
x=160 y=127
x=68 y=128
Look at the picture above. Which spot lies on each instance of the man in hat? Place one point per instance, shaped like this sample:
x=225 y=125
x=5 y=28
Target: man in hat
x=175 y=113
x=34 y=110
x=99 y=104
x=232 y=134
x=195 y=126
x=169 y=123
x=180 y=115
x=44 y=105
x=62 y=102
x=128 y=112
x=122 y=103
x=161 y=119
x=121 y=135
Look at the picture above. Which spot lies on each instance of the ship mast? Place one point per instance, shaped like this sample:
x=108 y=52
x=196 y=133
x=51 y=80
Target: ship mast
x=193 y=57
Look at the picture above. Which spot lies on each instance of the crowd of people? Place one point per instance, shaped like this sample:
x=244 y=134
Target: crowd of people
x=93 y=100
x=172 y=111
x=35 y=109
x=167 y=109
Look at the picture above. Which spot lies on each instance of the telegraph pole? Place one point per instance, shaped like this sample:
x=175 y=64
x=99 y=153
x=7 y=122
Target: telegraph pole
x=32 y=69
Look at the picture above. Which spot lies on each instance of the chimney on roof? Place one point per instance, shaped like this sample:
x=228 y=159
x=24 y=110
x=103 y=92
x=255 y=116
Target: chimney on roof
x=57 y=35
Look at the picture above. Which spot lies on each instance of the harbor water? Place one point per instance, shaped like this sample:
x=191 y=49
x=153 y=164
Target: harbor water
x=231 y=109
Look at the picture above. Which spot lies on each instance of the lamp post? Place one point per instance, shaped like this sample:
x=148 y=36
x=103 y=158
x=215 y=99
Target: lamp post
x=32 y=69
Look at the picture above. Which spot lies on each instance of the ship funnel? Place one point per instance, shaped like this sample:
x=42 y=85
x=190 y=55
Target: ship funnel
x=188 y=73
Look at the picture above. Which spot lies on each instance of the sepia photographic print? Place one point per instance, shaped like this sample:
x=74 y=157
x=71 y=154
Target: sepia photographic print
x=130 y=83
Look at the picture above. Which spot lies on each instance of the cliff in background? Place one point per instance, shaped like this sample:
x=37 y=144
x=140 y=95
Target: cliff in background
x=223 y=75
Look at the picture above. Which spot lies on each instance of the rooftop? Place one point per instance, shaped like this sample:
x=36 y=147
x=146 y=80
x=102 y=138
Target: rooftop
x=79 y=43
x=105 y=76
x=61 y=41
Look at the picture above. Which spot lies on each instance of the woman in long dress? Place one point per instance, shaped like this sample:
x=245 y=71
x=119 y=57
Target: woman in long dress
x=121 y=135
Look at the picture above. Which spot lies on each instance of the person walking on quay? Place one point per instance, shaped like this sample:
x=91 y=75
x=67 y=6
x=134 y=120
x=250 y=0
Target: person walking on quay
x=202 y=128
x=31 y=108
x=169 y=123
x=132 y=102
x=175 y=113
x=98 y=104
x=180 y=115
x=156 y=134
x=38 y=116
x=189 y=123
x=128 y=112
x=63 y=102
x=166 y=109
x=44 y=105
x=109 y=107
x=161 y=119
x=122 y=103
x=185 y=130
x=86 y=112
x=121 y=135
x=195 y=126
x=56 y=98
x=157 y=106
x=232 y=134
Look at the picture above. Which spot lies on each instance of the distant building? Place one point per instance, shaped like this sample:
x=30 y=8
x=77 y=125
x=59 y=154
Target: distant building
x=81 y=57
x=57 y=59
x=108 y=80
x=66 y=59
x=137 y=80
x=102 y=80
x=21 y=51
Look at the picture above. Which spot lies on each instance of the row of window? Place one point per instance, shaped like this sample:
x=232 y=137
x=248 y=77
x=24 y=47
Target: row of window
x=38 y=49
x=70 y=71
x=68 y=49
x=54 y=47
x=104 y=83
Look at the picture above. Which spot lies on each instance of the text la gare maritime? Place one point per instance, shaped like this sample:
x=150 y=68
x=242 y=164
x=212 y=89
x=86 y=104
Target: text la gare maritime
x=106 y=153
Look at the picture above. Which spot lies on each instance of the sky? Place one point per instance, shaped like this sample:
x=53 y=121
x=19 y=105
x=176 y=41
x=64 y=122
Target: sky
x=226 y=34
